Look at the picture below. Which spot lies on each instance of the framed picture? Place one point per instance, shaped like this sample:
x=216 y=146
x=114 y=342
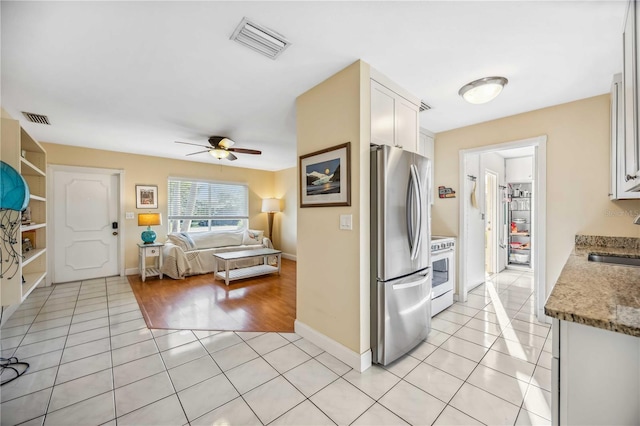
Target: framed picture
x=146 y=197
x=325 y=177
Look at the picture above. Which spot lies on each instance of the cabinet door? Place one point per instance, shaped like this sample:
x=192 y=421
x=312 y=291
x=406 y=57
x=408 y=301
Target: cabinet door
x=382 y=115
x=616 y=189
x=630 y=100
x=519 y=169
x=406 y=124
x=426 y=147
x=614 y=155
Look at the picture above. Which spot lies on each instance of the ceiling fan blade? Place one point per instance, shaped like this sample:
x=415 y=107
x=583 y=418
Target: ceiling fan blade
x=231 y=157
x=194 y=144
x=199 y=152
x=245 y=151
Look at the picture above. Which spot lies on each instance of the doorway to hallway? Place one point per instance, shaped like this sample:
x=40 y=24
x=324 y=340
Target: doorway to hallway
x=492 y=236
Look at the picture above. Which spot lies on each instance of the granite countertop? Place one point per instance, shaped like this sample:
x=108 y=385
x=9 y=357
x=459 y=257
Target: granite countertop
x=598 y=294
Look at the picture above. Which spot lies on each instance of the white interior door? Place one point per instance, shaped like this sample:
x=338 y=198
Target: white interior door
x=491 y=222
x=85 y=206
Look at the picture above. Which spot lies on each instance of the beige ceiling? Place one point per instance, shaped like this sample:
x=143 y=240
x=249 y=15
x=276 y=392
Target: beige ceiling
x=137 y=76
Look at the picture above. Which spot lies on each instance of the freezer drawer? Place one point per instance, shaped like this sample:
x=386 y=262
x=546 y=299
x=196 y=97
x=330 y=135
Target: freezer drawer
x=402 y=316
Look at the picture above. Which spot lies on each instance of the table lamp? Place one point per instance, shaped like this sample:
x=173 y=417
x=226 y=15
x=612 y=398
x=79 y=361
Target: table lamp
x=149 y=220
x=270 y=206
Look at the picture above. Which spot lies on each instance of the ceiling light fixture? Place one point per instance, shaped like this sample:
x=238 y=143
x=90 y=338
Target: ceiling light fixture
x=261 y=39
x=219 y=153
x=483 y=90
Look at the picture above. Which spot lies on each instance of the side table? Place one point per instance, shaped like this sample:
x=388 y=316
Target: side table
x=149 y=250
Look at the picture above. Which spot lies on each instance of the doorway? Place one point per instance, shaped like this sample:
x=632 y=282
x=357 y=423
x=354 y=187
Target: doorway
x=491 y=253
x=86 y=217
x=491 y=239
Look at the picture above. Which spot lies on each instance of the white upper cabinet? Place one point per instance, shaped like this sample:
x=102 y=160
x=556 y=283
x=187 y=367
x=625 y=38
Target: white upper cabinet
x=618 y=148
x=519 y=169
x=383 y=103
x=630 y=173
x=426 y=147
x=394 y=117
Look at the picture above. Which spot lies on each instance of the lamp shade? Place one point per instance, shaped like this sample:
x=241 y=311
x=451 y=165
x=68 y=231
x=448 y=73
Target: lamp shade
x=149 y=219
x=270 y=205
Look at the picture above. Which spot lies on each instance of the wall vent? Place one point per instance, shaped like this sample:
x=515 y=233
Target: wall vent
x=37 y=118
x=260 y=39
x=424 y=106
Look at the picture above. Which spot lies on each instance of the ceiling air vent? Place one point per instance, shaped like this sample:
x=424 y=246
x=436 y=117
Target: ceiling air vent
x=424 y=106
x=260 y=39
x=36 y=118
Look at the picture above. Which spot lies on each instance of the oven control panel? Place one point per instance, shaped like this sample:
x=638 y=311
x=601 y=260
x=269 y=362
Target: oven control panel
x=442 y=245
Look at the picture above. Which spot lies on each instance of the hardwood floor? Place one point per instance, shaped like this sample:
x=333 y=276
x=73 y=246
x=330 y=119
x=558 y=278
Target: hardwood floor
x=266 y=303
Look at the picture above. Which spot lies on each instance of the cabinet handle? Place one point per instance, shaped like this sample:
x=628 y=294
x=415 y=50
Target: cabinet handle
x=627 y=178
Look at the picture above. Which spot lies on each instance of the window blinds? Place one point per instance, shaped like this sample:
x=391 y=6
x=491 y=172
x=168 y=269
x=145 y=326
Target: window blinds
x=189 y=199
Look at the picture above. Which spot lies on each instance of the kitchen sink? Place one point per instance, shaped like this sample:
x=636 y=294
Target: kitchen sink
x=618 y=260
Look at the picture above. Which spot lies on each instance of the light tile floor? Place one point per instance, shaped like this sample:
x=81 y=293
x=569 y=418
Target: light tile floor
x=93 y=361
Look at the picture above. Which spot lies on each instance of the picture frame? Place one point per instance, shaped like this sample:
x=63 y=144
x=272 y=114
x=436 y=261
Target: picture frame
x=319 y=185
x=146 y=196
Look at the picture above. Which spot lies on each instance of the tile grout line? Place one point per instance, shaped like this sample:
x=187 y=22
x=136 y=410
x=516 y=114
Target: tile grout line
x=53 y=387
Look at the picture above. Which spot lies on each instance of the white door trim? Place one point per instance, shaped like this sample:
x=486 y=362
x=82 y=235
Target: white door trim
x=539 y=218
x=51 y=168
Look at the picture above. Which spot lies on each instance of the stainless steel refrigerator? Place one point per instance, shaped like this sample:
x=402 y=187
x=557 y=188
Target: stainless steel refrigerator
x=400 y=252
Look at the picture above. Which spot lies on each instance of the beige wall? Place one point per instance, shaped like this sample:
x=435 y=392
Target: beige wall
x=577 y=173
x=140 y=169
x=333 y=275
x=285 y=222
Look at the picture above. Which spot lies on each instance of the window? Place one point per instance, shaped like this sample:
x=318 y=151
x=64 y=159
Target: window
x=198 y=206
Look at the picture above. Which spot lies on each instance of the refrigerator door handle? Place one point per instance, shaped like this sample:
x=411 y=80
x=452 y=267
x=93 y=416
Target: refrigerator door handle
x=416 y=209
x=409 y=213
x=421 y=281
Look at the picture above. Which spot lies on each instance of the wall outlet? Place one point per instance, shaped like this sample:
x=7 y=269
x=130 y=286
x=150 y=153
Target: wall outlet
x=128 y=215
x=346 y=222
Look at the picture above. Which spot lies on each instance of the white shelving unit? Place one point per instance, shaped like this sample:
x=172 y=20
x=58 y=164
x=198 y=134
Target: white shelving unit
x=520 y=217
x=29 y=158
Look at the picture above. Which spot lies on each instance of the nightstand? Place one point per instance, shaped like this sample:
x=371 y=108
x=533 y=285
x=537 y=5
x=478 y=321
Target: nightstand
x=149 y=250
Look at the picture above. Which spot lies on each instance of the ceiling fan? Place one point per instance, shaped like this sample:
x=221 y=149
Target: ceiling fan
x=221 y=148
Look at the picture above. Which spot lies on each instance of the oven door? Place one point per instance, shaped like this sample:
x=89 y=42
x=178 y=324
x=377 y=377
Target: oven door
x=441 y=270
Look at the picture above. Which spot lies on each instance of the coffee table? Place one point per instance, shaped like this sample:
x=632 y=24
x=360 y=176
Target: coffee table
x=250 y=271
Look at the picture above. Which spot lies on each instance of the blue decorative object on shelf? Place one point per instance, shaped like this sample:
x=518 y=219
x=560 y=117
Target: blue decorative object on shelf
x=14 y=191
x=14 y=198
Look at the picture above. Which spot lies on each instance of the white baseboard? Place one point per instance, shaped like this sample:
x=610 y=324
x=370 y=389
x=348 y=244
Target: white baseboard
x=290 y=256
x=132 y=271
x=358 y=362
x=7 y=312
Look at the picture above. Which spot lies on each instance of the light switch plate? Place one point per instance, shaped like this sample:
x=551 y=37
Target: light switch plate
x=128 y=215
x=346 y=222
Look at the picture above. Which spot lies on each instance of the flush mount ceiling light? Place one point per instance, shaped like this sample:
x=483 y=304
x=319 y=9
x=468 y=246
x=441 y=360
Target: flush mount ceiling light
x=261 y=39
x=483 y=90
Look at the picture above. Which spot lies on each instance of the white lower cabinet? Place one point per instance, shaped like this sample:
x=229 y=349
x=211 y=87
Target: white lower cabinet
x=595 y=376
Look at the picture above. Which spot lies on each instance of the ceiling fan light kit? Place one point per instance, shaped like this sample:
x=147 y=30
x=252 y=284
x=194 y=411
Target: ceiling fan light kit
x=219 y=153
x=482 y=90
x=221 y=148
